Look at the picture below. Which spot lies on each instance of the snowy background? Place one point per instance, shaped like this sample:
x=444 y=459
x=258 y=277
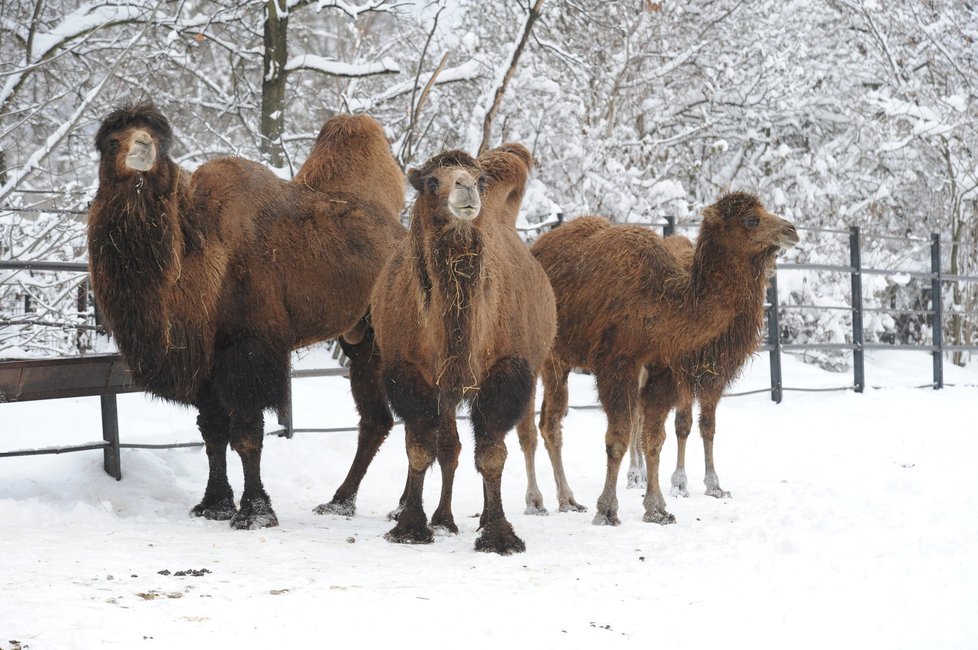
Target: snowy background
x=852 y=524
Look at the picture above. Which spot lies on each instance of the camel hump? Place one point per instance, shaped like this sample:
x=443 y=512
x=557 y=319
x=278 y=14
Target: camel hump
x=682 y=247
x=351 y=154
x=505 y=172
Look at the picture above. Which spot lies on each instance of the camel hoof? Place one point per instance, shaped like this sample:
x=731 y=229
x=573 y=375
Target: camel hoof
x=636 y=481
x=410 y=535
x=222 y=510
x=536 y=510
x=679 y=491
x=445 y=523
x=717 y=493
x=499 y=538
x=572 y=506
x=606 y=519
x=660 y=517
x=254 y=514
x=346 y=508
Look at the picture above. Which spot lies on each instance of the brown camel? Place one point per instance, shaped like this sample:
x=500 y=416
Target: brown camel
x=504 y=174
x=628 y=311
x=702 y=375
x=208 y=282
x=463 y=313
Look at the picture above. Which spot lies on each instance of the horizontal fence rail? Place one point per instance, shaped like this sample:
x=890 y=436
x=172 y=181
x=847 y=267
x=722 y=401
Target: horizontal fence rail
x=774 y=346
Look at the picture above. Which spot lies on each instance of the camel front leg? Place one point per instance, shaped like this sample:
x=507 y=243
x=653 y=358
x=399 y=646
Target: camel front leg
x=416 y=402
x=708 y=410
x=551 y=416
x=449 y=447
x=215 y=428
x=658 y=397
x=247 y=434
x=412 y=523
x=502 y=399
x=375 y=421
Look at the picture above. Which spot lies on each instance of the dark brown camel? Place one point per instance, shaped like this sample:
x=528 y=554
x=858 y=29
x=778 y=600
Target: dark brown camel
x=209 y=282
x=628 y=311
x=462 y=313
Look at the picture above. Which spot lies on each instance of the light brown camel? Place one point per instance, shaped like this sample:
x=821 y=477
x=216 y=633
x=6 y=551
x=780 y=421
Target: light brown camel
x=208 y=283
x=462 y=313
x=504 y=174
x=628 y=311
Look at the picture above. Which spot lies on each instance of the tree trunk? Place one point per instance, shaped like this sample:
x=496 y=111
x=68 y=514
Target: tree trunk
x=273 y=82
x=497 y=99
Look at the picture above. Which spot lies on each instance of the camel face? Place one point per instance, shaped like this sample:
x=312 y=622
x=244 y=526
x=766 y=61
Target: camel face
x=749 y=227
x=141 y=150
x=463 y=197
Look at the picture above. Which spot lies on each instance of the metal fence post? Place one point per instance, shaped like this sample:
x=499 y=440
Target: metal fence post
x=938 y=309
x=669 y=228
x=111 y=458
x=858 y=368
x=774 y=339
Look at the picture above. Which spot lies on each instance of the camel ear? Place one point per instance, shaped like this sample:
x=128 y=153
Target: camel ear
x=416 y=178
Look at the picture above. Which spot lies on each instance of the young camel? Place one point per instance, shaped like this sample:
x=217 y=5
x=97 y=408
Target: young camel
x=209 y=280
x=702 y=375
x=628 y=311
x=462 y=313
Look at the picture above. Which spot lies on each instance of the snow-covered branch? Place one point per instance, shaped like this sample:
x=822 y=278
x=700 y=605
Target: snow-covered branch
x=340 y=69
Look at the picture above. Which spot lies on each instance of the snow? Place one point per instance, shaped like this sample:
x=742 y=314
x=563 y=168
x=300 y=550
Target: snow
x=852 y=523
x=339 y=68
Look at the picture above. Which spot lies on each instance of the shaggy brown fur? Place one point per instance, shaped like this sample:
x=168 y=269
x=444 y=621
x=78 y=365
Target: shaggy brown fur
x=208 y=283
x=463 y=313
x=627 y=307
x=702 y=375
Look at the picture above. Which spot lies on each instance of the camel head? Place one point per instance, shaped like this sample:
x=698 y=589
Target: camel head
x=132 y=139
x=739 y=222
x=449 y=185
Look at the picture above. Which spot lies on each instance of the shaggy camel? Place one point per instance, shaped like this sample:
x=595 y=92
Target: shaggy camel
x=209 y=281
x=504 y=174
x=702 y=375
x=462 y=313
x=628 y=311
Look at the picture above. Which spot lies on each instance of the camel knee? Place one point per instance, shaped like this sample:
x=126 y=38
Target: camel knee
x=490 y=458
x=504 y=396
x=411 y=397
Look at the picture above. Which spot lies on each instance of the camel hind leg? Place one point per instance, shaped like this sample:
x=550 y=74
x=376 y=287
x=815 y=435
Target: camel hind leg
x=527 y=431
x=637 y=474
x=502 y=398
x=375 y=420
x=684 y=422
x=552 y=412
x=708 y=409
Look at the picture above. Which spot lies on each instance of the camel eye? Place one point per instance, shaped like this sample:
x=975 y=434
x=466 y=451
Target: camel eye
x=113 y=146
x=753 y=220
x=482 y=184
x=431 y=184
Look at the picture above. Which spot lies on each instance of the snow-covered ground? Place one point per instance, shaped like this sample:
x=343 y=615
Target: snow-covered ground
x=853 y=523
